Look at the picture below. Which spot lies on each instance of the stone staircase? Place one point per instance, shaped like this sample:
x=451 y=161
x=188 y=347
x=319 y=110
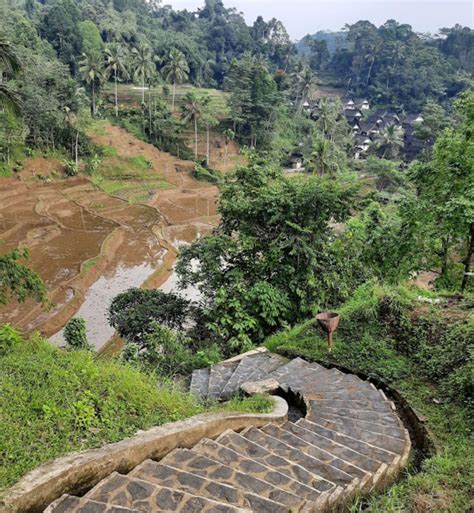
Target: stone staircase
x=350 y=442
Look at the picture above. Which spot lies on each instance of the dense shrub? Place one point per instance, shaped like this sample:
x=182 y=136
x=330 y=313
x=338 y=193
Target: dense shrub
x=170 y=352
x=134 y=312
x=75 y=334
x=380 y=336
x=9 y=338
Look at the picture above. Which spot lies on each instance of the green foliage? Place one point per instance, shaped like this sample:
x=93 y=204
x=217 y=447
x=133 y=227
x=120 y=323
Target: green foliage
x=271 y=258
x=206 y=175
x=444 y=202
x=70 y=167
x=434 y=122
x=169 y=353
x=258 y=403
x=143 y=65
x=9 y=339
x=254 y=101
x=134 y=313
x=379 y=336
x=176 y=70
x=75 y=334
x=60 y=27
x=387 y=173
x=91 y=41
x=17 y=281
x=56 y=402
x=395 y=66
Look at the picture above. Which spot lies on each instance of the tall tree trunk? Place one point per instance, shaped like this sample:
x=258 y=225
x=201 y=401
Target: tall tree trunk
x=208 y=147
x=149 y=113
x=143 y=89
x=76 y=150
x=444 y=255
x=195 y=138
x=370 y=73
x=226 y=153
x=174 y=95
x=93 y=99
x=116 y=95
x=467 y=261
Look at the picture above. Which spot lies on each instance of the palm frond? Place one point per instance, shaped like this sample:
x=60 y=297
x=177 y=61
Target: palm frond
x=10 y=100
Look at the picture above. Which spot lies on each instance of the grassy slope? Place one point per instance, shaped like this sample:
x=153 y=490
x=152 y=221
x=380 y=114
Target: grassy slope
x=130 y=178
x=127 y=94
x=55 y=402
x=446 y=481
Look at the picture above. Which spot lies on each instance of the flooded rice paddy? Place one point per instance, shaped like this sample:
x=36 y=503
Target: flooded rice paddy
x=89 y=246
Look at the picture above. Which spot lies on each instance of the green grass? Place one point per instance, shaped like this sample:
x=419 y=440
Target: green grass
x=5 y=171
x=97 y=126
x=258 y=403
x=54 y=402
x=89 y=263
x=130 y=178
x=426 y=358
x=109 y=151
x=218 y=98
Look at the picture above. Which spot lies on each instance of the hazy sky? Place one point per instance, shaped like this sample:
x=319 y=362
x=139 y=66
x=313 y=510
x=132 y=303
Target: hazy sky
x=308 y=16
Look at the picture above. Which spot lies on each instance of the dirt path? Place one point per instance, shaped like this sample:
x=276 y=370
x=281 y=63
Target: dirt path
x=90 y=246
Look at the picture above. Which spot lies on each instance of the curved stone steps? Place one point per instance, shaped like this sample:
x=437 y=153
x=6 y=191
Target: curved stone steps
x=71 y=504
x=200 y=383
x=143 y=495
x=240 y=472
x=251 y=368
x=349 y=443
x=190 y=482
x=218 y=378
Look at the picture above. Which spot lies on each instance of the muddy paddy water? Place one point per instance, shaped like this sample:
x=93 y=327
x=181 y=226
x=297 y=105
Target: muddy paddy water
x=89 y=246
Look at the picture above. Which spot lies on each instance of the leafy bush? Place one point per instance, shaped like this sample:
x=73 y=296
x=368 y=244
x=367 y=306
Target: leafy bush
x=378 y=335
x=9 y=338
x=54 y=402
x=75 y=334
x=169 y=352
x=445 y=356
x=134 y=313
x=70 y=168
x=206 y=175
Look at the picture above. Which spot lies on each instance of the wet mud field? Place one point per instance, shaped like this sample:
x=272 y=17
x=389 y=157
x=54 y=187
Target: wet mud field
x=89 y=246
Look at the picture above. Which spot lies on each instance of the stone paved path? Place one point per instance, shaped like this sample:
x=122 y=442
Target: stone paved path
x=350 y=442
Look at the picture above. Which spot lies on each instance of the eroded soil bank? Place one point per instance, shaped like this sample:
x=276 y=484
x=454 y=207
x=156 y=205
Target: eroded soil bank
x=89 y=246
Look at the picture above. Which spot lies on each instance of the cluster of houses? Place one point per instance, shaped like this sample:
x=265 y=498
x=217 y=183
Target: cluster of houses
x=368 y=128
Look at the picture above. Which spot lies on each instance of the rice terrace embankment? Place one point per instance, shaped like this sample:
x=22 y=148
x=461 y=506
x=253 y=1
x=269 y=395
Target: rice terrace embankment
x=91 y=239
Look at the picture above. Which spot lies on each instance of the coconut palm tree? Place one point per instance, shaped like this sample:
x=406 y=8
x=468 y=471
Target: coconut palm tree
x=371 y=56
x=390 y=142
x=176 y=70
x=306 y=82
x=192 y=112
x=229 y=136
x=116 y=67
x=322 y=156
x=10 y=65
x=143 y=64
x=325 y=116
x=91 y=68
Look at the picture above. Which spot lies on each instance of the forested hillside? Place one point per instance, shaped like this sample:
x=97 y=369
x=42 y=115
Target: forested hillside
x=198 y=187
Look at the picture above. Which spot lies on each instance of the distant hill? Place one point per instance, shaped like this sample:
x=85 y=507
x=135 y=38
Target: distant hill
x=334 y=41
